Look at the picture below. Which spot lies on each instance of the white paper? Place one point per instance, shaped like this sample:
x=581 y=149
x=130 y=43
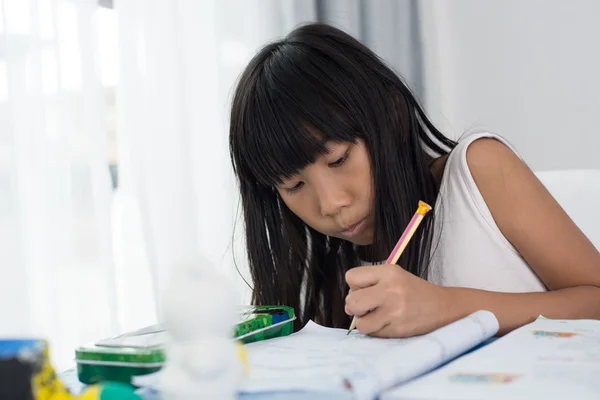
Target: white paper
x=151 y=336
x=547 y=359
x=323 y=359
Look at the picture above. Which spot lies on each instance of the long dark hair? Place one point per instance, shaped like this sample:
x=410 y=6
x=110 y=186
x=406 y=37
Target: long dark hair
x=319 y=78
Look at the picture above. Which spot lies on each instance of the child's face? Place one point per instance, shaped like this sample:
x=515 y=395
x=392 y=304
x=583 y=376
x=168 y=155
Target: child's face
x=334 y=195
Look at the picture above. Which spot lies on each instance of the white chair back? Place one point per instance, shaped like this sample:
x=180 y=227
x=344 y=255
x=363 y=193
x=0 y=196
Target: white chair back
x=578 y=193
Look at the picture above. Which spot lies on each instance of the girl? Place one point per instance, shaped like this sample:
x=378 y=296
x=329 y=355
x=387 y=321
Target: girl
x=333 y=153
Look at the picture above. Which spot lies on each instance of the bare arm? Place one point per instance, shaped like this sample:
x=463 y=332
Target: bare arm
x=548 y=240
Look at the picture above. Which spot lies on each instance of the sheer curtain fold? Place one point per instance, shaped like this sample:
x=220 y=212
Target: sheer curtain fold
x=55 y=190
x=178 y=63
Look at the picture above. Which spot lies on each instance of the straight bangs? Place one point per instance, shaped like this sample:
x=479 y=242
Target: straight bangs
x=293 y=107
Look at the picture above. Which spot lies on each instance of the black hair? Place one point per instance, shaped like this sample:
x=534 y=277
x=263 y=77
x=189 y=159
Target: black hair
x=320 y=79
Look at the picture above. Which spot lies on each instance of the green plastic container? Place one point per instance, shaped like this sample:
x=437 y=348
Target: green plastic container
x=141 y=352
x=264 y=322
x=97 y=363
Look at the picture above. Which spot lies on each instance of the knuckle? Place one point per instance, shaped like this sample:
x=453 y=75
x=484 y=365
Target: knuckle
x=348 y=276
x=399 y=311
x=351 y=275
x=352 y=302
x=348 y=311
x=389 y=269
x=396 y=271
x=401 y=306
x=395 y=292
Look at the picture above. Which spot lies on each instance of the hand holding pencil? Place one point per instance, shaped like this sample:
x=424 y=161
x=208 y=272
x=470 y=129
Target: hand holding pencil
x=389 y=301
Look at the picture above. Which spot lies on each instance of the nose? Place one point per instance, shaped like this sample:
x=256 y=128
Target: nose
x=332 y=198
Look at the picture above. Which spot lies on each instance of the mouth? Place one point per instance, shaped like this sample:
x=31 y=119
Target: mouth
x=354 y=230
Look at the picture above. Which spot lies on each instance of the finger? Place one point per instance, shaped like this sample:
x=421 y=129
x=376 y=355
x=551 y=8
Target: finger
x=372 y=322
x=361 y=301
x=362 y=277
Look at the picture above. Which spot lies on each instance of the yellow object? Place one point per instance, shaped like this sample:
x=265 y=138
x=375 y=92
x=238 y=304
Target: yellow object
x=36 y=379
x=92 y=393
x=243 y=358
x=424 y=208
x=45 y=384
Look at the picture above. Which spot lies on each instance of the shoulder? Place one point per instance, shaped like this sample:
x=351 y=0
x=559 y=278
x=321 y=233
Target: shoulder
x=529 y=216
x=505 y=182
x=489 y=159
x=482 y=160
x=487 y=150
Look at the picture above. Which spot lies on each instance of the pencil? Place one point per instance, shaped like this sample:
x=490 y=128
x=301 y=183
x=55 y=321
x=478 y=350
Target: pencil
x=412 y=226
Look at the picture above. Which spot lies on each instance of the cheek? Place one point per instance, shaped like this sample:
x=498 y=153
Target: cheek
x=368 y=182
x=301 y=205
x=361 y=178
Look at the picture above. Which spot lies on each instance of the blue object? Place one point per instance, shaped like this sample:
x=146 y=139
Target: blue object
x=17 y=348
x=279 y=317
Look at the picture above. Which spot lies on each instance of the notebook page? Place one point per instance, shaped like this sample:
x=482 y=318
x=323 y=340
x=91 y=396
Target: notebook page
x=321 y=359
x=398 y=365
x=547 y=359
x=143 y=340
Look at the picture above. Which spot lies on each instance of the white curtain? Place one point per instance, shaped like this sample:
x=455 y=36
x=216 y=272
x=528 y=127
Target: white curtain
x=79 y=260
x=57 y=272
x=178 y=63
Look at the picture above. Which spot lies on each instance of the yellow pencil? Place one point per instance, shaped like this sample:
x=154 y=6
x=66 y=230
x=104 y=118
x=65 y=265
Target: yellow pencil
x=412 y=226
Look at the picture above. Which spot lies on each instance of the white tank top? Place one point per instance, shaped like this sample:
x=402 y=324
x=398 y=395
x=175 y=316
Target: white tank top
x=468 y=248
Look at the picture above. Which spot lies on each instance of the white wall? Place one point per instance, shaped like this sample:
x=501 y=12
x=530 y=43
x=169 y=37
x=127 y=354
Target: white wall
x=526 y=69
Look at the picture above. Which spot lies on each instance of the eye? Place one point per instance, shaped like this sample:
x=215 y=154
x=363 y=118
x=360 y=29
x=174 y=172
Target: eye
x=295 y=188
x=340 y=160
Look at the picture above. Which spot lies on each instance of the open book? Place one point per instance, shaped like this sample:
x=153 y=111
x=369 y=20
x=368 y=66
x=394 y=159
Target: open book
x=328 y=360
x=546 y=359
